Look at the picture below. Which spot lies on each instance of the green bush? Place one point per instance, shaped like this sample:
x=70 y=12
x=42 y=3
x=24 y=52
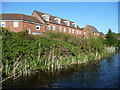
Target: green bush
x=22 y=52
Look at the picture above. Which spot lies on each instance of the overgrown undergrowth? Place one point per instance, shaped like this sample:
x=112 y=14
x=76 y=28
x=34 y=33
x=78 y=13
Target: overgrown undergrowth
x=22 y=53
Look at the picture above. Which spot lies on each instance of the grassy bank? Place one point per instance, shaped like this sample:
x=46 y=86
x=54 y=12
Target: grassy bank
x=22 y=53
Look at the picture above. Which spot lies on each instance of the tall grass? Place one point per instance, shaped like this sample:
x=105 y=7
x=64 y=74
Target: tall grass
x=23 y=53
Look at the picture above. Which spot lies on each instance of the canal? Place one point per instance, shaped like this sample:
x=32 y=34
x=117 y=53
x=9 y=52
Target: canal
x=100 y=74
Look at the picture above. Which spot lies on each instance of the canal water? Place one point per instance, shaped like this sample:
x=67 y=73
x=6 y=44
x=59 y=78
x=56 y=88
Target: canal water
x=100 y=74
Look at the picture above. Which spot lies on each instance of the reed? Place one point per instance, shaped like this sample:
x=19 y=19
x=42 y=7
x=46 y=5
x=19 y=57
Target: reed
x=23 y=53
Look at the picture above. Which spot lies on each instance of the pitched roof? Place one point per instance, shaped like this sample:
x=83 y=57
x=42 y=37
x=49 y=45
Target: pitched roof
x=19 y=17
x=93 y=28
x=53 y=21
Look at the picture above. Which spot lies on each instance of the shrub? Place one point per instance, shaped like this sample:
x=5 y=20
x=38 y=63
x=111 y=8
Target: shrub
x=22 y=51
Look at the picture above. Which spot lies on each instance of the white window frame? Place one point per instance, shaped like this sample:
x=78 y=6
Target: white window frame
x=29 y=31
x=84 y=33
x=53 y=28
x=74 y=24
x=15 y=24
x=72 y=30
x=58 y=20
x=80 y=32
x=60 y=28
x=69 y=30
x=77 y=32
x=67 y=23
x=36 y=33
x=37 y=26
x=3 y=23
x=49 y=27
x=64 y=30
x=46 y=17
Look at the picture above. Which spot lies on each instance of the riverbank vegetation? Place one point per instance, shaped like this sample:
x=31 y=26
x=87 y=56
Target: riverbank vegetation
x=23 y=53
x=112 y=39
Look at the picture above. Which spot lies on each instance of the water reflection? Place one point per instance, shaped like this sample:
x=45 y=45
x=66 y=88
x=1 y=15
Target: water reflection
x=101 y=74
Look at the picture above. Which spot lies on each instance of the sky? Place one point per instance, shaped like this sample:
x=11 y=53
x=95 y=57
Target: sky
x=102 y=15
x=60 y=0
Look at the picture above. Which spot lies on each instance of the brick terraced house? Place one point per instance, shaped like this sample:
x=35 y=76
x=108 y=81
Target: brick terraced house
x=21 y=22
x=39 y=23
x=90 y=31
x=57 y=24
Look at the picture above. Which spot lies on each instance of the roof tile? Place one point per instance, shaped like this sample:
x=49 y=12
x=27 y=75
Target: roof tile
x=53 y=21
x=19 y=17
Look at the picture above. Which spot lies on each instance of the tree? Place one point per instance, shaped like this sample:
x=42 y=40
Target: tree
x=111 y=38
x=101 y=33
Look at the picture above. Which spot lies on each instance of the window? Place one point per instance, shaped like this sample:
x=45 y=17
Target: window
x=94 y=33
x=79 y=32
x=84 y=33
x=69 y=30
x=58 y=20
x=29 y=31
x=15 y=24
x=49 y=27
x=36 y=33
x=3 y=24
x=73 y=31
x=67 y=23
x=64 y=29
x=37 y=27
x=46 y=17
x=60 y=28
x=53 y=27
x=74 y=24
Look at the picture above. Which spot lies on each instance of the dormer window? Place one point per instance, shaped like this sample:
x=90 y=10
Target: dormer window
x=46 y=17
x=58 y=20
x=67 y=23
x=74 y=24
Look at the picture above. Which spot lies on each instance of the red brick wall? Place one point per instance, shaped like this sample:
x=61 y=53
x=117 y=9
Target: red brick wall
x=57 y=26
x=38 y=17
x=23 y=26
x=32 y=27
x=9 y=25
x=89 y=32
x=67 y=29
x=103 y=35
